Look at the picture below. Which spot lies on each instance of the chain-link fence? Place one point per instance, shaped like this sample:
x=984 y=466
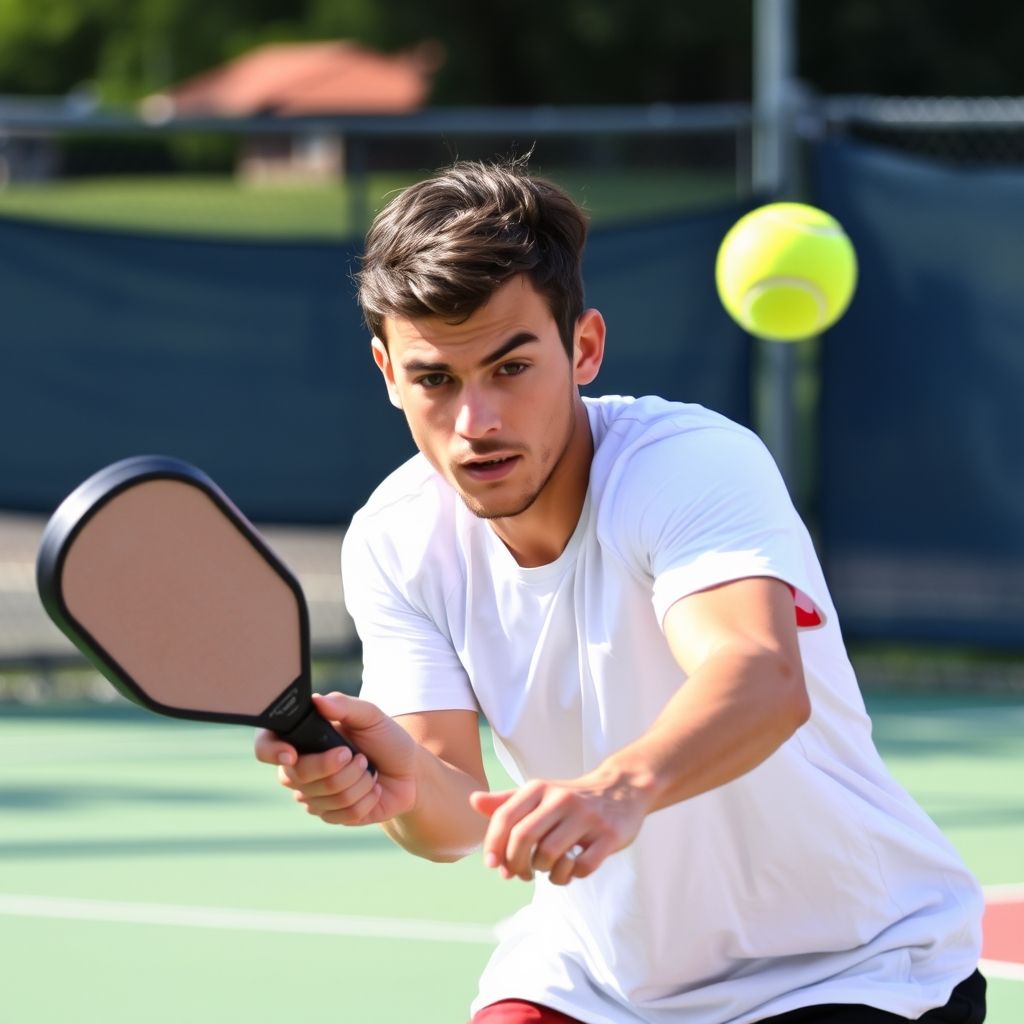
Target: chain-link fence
x=985 y=131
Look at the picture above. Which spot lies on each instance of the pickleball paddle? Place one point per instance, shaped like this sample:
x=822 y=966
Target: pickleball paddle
x=171 y=593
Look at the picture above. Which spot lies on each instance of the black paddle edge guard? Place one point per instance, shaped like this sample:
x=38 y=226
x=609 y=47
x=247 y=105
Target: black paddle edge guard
x=71 y=516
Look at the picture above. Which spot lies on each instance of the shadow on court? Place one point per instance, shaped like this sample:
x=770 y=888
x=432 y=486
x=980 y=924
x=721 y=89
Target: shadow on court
x=219 y=846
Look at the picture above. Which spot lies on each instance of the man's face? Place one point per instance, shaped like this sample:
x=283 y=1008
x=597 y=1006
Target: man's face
x=491 y=402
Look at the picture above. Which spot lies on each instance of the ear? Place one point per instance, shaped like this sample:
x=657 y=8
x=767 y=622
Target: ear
x=383 y=361
x=588 y=346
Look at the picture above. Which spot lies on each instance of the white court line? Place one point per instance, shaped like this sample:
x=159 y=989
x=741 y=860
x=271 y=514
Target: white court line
x=298 y=924
x=1001 y=969
x=244 y=920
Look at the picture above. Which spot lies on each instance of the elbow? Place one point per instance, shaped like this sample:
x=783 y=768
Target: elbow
x=795 y=703
x=432 y=848
x=442 y=853
x=801 y=708
x=444 y=856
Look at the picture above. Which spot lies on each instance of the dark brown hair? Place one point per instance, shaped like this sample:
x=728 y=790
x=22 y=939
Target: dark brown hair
x=444 y=245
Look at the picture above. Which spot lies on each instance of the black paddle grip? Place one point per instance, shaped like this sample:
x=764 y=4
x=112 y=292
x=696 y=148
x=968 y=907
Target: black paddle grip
x=314 y=734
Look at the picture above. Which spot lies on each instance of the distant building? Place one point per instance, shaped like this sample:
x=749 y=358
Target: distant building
x=296 y=79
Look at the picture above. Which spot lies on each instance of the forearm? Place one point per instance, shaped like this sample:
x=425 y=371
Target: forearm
x=730 y=715
x=441 y=825
x=743 y=697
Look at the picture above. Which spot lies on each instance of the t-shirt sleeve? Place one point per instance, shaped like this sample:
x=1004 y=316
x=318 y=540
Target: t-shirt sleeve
x=710 y=507
x=409 y=663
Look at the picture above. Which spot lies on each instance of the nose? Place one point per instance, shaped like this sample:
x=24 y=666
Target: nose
x=478 y=413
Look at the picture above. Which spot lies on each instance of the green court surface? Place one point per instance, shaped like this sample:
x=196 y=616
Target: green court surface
x=153 y=871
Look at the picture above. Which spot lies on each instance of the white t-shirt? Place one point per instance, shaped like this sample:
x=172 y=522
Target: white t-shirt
x=812 y=879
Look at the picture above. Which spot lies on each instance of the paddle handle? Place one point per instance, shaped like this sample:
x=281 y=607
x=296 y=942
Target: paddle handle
x=314 y=734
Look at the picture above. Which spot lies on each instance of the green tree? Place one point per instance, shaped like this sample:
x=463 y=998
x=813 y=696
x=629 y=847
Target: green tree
x=578 y=51
x=530 y=52
x=913 y=48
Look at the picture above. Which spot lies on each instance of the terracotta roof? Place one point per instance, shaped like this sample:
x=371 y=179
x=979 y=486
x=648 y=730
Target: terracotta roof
x=312 y=78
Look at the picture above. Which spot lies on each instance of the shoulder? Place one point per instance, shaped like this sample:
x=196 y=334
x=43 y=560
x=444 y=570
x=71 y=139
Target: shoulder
x=405 y=523
x=619 y=421
x=671 y=482
x=651 y=442
x=414 y=487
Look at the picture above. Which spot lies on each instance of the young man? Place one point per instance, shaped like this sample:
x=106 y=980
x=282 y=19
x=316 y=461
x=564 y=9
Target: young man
x=625 y=591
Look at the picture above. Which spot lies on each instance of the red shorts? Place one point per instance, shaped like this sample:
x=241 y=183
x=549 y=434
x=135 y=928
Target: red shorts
x=518 y=1011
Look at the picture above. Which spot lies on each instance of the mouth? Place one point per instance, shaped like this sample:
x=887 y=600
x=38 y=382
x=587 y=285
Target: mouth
x=491 y=469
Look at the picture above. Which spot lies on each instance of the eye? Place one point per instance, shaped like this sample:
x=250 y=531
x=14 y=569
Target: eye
x=512 y=369
x=432 y=380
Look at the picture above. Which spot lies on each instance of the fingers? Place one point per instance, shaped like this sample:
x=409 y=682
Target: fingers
x=563 y=869
x=538 y=828
x=349 y=711
x=537 y=840
x=316 y=774
x=343 y=799
x=581 y=860
x=565 y=829
x=512 y=857
x=560 y=844
x=556 y=852
x=334 y=786
x=486 y=803
x=337 y=784
x=297 y=772
x=270 y=749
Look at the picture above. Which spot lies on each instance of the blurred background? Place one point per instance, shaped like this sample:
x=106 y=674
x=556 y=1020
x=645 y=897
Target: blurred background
x=184 y=187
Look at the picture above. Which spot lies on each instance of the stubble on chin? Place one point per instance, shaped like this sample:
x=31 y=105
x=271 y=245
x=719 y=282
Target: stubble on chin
x=517 y=507
x=482 y=511
x=512 y=507
x=501 y=508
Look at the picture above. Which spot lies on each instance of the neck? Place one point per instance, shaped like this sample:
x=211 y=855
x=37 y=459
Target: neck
x=539 y=535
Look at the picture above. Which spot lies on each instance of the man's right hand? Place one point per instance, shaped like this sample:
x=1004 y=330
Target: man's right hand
x=334 y=785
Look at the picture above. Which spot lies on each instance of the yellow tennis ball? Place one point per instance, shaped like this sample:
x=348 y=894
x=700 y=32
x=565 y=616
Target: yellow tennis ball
x=786 y=271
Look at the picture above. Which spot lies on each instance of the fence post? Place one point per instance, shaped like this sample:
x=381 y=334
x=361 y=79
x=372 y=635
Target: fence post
x=357 y=183
x=771 y=178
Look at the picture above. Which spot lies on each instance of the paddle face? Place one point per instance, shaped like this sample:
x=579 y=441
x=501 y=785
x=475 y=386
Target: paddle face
x=168 y=589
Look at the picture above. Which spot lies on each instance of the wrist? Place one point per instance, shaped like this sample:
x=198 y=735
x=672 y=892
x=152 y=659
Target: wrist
x=625 y=777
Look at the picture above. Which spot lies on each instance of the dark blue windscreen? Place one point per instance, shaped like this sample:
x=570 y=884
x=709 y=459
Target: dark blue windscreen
x=922 y=444
x=249 y=359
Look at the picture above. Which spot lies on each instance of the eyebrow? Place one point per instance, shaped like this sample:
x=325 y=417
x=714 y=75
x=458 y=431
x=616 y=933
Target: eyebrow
x=421 y=366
